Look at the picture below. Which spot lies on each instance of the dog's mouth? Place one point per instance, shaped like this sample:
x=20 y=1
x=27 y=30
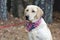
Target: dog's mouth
x=27 y=18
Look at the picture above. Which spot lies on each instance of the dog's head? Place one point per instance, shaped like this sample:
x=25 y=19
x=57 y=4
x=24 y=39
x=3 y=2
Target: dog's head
x=33 y=12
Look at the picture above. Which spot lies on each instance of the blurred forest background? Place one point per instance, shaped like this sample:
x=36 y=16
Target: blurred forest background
x=12 y=12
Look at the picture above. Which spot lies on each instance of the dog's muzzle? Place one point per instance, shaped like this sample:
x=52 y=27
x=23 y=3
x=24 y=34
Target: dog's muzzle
x=27 y=17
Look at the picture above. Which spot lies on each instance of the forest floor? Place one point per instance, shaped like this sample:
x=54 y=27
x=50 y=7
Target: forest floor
x=18 y=33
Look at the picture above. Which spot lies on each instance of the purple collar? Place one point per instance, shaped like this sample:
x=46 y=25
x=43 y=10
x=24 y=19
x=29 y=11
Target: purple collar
x=31 y=26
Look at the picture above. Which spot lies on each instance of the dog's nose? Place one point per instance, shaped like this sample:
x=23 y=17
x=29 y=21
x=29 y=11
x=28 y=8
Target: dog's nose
x=27 y=17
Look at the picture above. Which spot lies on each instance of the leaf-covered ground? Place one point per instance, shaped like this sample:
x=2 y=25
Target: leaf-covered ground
x=18 y=32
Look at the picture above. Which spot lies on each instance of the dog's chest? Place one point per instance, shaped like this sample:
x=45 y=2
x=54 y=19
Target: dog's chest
x=42 y=32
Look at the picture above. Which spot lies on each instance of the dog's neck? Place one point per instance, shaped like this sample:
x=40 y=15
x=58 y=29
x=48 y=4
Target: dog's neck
x=33 y=25
x=37 y=20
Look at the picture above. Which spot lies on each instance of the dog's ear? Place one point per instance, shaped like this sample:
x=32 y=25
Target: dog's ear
x=39 y=12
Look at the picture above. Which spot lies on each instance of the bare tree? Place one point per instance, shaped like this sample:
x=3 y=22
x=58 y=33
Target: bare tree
x=3 y=10
x=18 y=6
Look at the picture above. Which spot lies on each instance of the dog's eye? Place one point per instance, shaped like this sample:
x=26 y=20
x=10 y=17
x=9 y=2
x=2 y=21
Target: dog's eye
x=27 y=10
x=33 y=11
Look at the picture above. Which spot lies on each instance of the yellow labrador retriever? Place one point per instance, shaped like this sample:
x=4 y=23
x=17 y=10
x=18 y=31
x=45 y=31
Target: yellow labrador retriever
x=36 y=27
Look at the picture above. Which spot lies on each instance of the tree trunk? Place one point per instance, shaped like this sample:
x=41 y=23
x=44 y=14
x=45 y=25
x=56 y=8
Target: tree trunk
x=18 y=7
x=14 y=7
x=3 y=10
x=8 y=5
